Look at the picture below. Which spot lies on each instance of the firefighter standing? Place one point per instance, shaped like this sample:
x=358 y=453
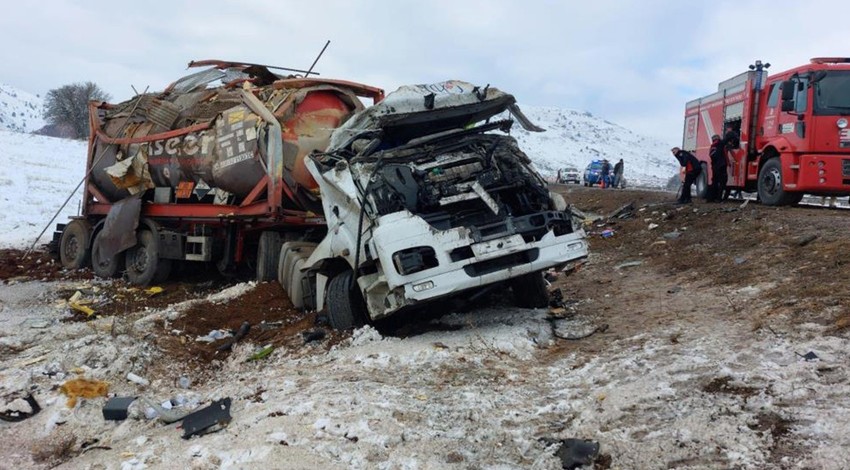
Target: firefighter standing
x=692 y=170
x=717 y=154
x=731 y=141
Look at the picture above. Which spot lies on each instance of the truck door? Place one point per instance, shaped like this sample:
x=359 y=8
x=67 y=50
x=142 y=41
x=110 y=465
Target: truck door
x=791 y=121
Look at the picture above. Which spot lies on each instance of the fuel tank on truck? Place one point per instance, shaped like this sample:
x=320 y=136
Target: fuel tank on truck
x=216 y=138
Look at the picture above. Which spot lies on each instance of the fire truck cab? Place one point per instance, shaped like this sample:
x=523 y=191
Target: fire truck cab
x=793 y=128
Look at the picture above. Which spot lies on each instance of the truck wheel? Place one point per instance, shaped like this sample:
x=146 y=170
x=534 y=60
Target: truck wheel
x=74 y=247
x=144 y=266
x=770 y=188
x=105 y=267
x=530 y=291
x=346 y=307
x=268 y=253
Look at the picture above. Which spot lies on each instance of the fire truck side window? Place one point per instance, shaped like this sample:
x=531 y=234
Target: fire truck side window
x=773 y=100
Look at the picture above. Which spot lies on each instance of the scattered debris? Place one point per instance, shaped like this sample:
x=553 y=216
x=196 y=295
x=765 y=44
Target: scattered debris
x=740 y=260
x=115 y=408
x=574 y=453
x=243 y=330
x=20 y=409
x=209 y=419
x=607 y=233
x=83 y=388
x=137 y=379
x=652 y=226
x=313 y=335
x=805 y=240
x=262 y=353
x=213 y=335
x=166 y=415
x=628 y=264
x=624 y=212
x=81 y=308
x=152 y=291
x=809 y=356
x=745 y=204
x=674 y=290
x=672 y=235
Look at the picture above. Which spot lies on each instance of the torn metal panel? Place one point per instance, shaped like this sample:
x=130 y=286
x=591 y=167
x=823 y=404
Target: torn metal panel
x=119 y=227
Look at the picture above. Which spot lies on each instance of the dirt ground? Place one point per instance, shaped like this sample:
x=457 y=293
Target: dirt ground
x=700 y=315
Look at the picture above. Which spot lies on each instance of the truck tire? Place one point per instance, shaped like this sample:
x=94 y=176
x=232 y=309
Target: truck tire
x=770 y=189
x=530 y=291
x=346 y=307
x=268 y=254
x=144 y=266
x=75 y=245
x=102 y=266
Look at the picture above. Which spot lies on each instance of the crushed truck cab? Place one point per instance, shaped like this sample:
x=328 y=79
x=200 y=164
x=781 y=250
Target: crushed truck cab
x=424 y=199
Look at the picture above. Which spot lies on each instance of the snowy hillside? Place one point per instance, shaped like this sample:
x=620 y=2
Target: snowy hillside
x=575 y=138
x=36 y=175
x=20 y=111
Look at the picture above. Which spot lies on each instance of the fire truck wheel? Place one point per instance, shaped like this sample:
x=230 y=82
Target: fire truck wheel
x=530 y=291
x=268 y=254
x=770 y=188
x=74 y=247
x=346 y=307
x=144 y=266
x=105 y=267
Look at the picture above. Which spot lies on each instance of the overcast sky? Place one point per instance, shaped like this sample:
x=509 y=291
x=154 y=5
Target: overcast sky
x=635 y=63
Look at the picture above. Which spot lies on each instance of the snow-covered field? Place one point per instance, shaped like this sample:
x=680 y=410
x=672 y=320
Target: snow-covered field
x=36 y=175
x=20 y=111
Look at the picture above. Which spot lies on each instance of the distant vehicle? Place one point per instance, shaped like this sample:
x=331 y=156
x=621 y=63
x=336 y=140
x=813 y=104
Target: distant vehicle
x=793 y=129
x=593 y=173
x=570 y=175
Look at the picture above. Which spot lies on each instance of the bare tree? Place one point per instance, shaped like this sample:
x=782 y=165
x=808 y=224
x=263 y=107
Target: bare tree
x=68 y=106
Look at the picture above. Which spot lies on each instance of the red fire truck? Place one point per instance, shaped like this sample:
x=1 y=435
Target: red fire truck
x=793 y=128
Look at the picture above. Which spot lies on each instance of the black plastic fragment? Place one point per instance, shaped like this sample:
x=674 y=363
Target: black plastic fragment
x=15 y=416
x=574 y=453
x=241 y=333
x=313 y=335
x=218 y=413
x=115 y=408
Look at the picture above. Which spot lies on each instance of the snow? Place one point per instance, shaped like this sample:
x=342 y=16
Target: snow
x=36 y=175
x=20 y=111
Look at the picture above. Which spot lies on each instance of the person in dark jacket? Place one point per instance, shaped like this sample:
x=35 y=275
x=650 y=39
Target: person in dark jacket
x=605 y=173
x=692 y=170
x=717 y=155
x=618 y=174
x=731 y=141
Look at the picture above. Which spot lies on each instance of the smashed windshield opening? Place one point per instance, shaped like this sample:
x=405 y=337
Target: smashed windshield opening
x=832 y=94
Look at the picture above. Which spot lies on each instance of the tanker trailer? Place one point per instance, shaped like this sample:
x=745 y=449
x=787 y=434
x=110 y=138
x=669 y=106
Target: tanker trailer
x=209 y=170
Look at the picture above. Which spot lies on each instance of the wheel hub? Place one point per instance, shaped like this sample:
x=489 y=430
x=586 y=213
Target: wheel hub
x=772 y=181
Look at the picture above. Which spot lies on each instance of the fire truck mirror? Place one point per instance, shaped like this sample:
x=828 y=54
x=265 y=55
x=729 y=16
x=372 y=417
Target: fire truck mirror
x=787 y=106
x=787 y=92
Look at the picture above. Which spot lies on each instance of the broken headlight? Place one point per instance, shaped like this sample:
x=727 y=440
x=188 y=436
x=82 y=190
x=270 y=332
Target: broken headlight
x=414 y=260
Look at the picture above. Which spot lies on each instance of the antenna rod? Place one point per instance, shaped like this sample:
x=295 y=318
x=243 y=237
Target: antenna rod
x=317 y=58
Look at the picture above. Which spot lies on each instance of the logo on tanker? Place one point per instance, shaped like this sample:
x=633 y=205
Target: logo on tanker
x=187 y=145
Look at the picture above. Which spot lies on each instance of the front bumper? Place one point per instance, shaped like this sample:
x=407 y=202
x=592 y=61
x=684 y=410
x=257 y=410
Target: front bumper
x=461 y=262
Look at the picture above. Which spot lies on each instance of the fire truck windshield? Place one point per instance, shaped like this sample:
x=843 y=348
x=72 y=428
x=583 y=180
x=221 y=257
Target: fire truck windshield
x=832 y=94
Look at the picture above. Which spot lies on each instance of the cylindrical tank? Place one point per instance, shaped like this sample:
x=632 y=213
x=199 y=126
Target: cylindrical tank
x=230 y=154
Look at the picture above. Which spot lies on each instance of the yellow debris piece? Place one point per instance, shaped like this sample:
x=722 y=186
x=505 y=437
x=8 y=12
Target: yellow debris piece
x=83 y=388
x=154 y=290
x=81 y=308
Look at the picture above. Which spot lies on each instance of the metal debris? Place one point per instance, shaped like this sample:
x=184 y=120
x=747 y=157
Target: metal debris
x=209 y=419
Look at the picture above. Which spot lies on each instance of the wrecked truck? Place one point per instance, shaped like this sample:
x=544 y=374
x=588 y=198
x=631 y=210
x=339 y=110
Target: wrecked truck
x=427 y=196
x=208 y=171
